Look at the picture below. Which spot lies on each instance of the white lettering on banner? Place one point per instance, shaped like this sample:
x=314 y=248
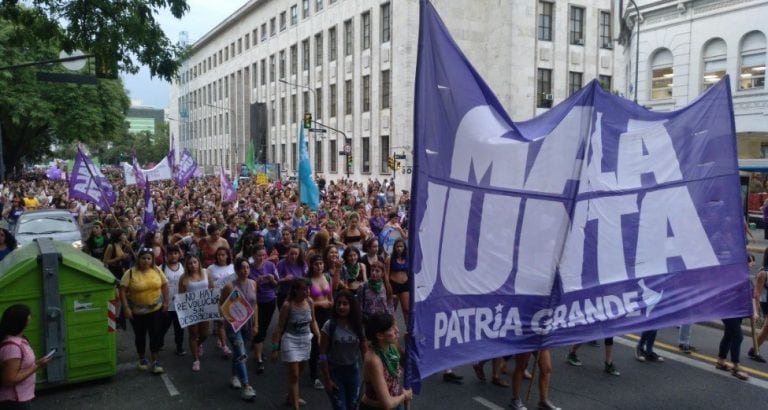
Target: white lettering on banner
x=645 y=149
x=198 y=306
x=455 y=327
x=186 y=163
x=86 y=184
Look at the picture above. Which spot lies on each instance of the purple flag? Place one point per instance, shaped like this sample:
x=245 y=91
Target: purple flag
x=596 y=219
x=53 y=172
x=186 y=168
x=149 y=210
x=228 y=192
x=88 y=184
x=138 y=173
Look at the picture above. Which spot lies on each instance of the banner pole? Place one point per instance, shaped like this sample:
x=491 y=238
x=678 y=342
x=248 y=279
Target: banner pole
x=533 y=374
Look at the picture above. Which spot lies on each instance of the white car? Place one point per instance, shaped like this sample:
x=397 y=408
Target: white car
x=57 y=224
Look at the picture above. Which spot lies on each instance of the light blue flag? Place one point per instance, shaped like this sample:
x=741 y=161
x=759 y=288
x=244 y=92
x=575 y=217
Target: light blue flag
x=308 y=191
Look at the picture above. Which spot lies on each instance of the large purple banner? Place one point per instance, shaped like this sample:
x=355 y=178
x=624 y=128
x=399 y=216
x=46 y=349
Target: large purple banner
x=86 y=182
x=596 y=219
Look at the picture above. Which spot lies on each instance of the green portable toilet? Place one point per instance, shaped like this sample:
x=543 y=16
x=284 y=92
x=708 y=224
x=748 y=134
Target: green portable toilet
x=73 y=299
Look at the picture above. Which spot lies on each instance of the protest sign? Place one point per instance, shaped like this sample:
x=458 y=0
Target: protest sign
x=236 y=310
x=198 y=306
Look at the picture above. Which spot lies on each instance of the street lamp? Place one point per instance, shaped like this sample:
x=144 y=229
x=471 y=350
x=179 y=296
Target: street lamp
x=637 y=45
x=232 y=128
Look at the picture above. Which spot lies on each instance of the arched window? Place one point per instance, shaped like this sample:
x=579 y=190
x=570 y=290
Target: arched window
x=752 y=61
x=714 y=59
x=662 y=74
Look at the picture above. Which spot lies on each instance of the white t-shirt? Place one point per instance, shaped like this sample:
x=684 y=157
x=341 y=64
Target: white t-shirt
x=174 y=276
x=221 y=274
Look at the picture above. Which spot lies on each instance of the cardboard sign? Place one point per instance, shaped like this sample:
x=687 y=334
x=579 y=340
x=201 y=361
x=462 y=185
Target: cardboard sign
x=198 y=306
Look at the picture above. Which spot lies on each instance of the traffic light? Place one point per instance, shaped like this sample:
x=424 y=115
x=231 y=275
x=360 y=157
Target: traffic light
x=307 y=120
x=349 y=160
x=397 y=166
x=391 y=163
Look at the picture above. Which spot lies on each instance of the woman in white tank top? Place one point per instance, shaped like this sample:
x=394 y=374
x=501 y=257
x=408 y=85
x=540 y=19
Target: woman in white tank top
x=196 y=278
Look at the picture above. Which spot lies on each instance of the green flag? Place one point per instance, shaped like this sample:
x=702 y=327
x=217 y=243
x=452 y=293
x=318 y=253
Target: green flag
x=250 y=159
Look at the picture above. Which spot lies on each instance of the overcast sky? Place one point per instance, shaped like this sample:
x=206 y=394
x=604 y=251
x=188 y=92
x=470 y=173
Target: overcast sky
x=202 y=16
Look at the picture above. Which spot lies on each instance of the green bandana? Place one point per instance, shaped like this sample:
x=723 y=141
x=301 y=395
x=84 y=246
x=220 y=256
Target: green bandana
x=375 y=285
x=390 y=358
x=351 y=272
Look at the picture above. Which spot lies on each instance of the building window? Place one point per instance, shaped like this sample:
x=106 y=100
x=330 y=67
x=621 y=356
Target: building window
x=272 y=110
x=332 y=46
x=239 y=46
x=226 y=87
x=348 y=37
x=318 y=103
x=348 y=97
x=662 y=75
x=318 y=49
x=282 y=21
x=272 y=68
x=272 y=28
x=386 y=23
x=282 y=65
x=606 y=40
x=385 y=89
x=247 y=42
x=293 y=108
x=544 y=88
x=318 y=5
x=274 y=156
x=545 y=21
x=574 y=82
x=305 y=55
x=366 y=93
x=282 y=155
x=282 y=111
x=334 y=156
x=263 y=34
x=365 y=33
x=714 y=59
x=332 y=100
x=294 y=154
x=576 y=26
x=605 y=82
x=318 y=156
x=752 y=61
x=294 y=59
x=304 y=9
x=294 y=15
x=366 y=162
x=384 y=154
x=263 y=73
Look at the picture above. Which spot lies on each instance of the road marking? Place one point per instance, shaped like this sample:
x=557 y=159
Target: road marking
x=695 y=363
x=169 y=385
x=485 y=402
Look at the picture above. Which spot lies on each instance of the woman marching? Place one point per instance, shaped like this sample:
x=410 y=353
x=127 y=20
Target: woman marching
x=196 y=278
x=398 y=277
x=341 y=347
x=240 y=339
x=221 y=271
x=381 y=367
x=265 y=275
x=292 y=339
x=19 y=367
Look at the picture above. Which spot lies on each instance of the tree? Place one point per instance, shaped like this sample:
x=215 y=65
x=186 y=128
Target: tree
x=147 y=146
x=115 y=32
x=35 y=115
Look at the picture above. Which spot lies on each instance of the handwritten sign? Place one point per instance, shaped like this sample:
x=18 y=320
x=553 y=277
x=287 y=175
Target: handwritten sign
x=236 y=310
x=198 y=306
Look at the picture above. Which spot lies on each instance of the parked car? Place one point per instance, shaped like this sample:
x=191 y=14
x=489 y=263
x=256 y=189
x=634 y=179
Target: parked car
x=57 y=224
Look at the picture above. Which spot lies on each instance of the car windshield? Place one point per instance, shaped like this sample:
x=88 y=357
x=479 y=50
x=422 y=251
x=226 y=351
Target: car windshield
x=47 y=225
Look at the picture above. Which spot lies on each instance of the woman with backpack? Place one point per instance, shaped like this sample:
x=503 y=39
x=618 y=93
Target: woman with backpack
x=19 y=367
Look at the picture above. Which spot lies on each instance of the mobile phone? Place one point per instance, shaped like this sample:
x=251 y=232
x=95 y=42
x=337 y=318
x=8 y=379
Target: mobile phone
x=50 y=354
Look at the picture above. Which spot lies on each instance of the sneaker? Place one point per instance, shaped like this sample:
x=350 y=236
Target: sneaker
x=452 y=377
x=755 y=356
x=225 y=351
x=517 y=404
x=302 y=402
x=547 y=405
x=235 y=382
x=247 y=393
x=180 y=351
x=319 y=385
x=196 y=366
x=260 y=367
x=640 y=354
x=573 y=360
x=687 y=349
x=143 y=364
x=653 y=357
x=156 y=368
x=611 y=369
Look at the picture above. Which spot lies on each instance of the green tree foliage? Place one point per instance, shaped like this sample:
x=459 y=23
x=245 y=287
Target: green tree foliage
x=36 y=115
x=149 y=147
x=123 y=35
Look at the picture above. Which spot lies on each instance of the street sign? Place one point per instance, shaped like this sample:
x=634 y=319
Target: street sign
x=399 y=156
x=321 y=130
x=347 y=148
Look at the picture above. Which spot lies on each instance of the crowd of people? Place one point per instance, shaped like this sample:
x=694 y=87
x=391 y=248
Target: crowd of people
x=331 y=280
